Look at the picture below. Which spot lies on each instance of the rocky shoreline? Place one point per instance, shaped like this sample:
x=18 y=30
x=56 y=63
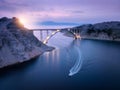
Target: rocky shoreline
x=100 y=39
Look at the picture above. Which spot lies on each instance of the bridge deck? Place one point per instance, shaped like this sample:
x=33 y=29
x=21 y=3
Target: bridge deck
x=42 y=29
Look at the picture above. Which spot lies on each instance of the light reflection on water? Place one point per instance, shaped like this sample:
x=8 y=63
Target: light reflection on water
x=52 y=57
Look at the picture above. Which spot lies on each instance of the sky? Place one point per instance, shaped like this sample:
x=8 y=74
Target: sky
x=60 y=13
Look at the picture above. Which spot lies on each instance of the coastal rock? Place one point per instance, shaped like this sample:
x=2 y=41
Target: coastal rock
x=17 y=43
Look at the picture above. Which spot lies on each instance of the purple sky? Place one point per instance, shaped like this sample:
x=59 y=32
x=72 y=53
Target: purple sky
x=61 y=11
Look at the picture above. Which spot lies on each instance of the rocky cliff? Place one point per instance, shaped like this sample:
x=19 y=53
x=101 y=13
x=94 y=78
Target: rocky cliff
x=18 y=44
x=101 y=31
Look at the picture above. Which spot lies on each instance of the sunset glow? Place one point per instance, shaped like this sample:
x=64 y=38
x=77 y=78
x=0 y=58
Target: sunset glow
x=23 y=21
x=26 y=21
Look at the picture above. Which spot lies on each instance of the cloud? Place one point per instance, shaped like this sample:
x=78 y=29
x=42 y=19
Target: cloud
x=10 y=6
x=62 y=10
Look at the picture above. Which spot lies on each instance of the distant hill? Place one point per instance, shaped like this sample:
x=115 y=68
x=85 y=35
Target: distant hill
x=103 y=31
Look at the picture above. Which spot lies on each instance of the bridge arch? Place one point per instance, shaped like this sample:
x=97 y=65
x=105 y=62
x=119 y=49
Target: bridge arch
x=48 y=37
x=74 y=32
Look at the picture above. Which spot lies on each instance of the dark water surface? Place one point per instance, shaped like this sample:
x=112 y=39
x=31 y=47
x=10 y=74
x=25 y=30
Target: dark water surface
x=73 y=65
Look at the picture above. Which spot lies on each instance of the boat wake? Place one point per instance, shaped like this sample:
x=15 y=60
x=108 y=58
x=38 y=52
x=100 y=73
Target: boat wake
x=78 y=64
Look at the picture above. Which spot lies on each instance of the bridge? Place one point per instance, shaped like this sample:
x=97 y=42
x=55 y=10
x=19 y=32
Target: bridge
x=46 y=34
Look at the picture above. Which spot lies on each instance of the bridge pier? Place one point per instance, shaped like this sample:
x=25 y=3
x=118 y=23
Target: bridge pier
x=41 y=36
x=47 y=32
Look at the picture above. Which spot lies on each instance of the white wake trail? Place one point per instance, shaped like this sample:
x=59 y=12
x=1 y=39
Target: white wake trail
x=78 y=64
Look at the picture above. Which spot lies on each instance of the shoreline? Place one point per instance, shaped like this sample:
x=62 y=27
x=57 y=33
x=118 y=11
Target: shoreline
x=94 y=38
x=84 y=38
x=49 y=49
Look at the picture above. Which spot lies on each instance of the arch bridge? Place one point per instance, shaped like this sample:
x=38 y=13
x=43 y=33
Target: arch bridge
x=45 y=34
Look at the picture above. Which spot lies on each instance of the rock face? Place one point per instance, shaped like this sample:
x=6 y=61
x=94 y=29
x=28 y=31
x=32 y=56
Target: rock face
x=101 y=31
x=18 y=44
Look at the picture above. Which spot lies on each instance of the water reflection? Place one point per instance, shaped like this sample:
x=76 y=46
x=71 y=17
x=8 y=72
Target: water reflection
x=78 y=64
x=52 y=56
x=47 y=56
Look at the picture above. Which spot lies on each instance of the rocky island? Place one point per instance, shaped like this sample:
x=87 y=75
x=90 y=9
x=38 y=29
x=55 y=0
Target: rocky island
x=17 y=43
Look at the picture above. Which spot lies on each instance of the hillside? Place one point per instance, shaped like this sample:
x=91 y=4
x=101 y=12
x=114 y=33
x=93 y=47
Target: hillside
x=103 y=31
x=18 y=44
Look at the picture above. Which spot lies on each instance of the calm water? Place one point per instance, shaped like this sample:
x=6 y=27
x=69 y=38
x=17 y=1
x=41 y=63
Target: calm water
x=73 y=65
